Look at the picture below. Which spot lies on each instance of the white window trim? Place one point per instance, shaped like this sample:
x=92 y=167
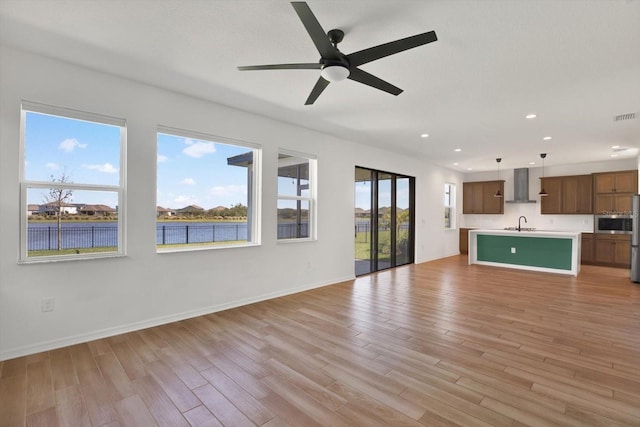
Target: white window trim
x=452 y=206
x=34 y=107
x=312 y=198
x=256 y=188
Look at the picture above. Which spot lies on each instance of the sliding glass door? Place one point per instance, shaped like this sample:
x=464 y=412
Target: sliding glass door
x=384 y=220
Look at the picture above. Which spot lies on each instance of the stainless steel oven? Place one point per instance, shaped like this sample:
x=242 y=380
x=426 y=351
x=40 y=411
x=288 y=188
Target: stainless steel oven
x=613 y=224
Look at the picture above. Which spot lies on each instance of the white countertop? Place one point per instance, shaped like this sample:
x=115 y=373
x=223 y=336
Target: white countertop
x=535 y=233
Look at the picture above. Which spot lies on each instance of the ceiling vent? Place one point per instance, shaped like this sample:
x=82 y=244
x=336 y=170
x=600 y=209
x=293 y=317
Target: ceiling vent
x=627 y=116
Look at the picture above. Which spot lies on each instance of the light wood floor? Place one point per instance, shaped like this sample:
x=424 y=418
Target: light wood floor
x=436 y=344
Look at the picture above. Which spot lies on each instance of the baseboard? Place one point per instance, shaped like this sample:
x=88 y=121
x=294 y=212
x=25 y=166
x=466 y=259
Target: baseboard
x=108 y=332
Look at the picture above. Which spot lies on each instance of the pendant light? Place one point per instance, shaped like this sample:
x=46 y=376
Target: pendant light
x=542 y=193
x=498 y=193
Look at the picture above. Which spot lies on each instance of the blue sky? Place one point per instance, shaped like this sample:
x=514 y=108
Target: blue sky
x=363 y=194
x=195 y=172
x=84 y=152
x=190 y=171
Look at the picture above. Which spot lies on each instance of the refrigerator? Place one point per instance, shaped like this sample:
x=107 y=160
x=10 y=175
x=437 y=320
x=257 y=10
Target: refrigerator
x=635 y=238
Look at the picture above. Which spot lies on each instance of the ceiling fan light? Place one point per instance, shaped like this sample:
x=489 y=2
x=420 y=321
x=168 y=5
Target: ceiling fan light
x=335 y=73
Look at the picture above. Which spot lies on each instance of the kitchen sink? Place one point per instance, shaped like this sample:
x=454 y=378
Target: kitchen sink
x=521 y=229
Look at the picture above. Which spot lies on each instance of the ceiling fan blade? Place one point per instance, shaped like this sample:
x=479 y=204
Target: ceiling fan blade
x=317 y=34
x=370 y=80
x=380 y=51
x=311 y=66
x=320 y=86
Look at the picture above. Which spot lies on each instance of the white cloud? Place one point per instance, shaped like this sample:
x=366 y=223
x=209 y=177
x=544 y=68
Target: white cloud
x=52 y=166
x=70 y=144
x=184 y=200
x=198 y=149
x=106 y=168
x=227 y=190
x=162 y=158
x=188 y=181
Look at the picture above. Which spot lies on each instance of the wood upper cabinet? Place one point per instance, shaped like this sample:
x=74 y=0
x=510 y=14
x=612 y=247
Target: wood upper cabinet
x=472 y=197
x=613 y=191
x=610 y=204
x=577 y=194
x=567 y=195
x=490 y=203
x=478 y=197
x=613 y=249
x=616 y=182
x=552 y=202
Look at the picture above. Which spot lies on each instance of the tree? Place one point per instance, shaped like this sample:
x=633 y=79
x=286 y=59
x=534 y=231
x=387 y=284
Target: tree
x=58 y=198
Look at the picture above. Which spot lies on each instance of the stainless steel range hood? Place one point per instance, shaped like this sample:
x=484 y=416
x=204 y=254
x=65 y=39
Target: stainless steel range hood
x=521 y=186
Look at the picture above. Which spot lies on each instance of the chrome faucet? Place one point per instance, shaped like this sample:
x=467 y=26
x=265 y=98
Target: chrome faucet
x=525 y=220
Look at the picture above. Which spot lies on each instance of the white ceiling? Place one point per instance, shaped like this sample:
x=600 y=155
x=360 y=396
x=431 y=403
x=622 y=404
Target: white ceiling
x=576 y=64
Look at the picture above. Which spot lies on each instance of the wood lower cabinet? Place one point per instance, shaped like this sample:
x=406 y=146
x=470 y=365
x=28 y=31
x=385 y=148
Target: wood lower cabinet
x=567 y=195
x=587 y=248
x=613 y=250
x=478 y=197
x=464 y=240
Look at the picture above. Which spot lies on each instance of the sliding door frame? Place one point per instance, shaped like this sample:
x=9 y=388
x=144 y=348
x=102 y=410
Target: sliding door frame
x=375 y=219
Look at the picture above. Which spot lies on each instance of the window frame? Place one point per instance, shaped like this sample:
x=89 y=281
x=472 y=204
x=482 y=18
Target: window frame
x=451 y=206
x=25 y=185
x=311 y=198
x=254 y=192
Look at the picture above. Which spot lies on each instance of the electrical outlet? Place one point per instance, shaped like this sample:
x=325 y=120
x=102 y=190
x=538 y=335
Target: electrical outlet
x=48 y=304
x=513 y=250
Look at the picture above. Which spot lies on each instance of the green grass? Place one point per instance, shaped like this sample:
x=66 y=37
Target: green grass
x=71 y=251
x=190 y=245
x=363 y=243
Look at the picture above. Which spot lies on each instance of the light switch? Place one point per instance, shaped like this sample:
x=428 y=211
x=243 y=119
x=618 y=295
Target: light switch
x=513 y=250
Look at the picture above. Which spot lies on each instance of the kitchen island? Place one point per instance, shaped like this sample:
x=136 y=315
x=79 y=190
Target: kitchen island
x=547 y=251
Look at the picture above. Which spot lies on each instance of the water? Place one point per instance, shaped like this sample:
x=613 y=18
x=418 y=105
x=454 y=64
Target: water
x=44 y=235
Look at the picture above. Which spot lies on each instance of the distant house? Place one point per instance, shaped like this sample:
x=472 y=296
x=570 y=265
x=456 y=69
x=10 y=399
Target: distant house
x=52 y=208
x=164 y=212
x=190 y=210
x=97 y=210
x=33 y=209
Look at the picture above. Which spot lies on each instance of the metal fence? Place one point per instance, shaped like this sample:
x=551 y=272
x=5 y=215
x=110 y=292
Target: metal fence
x=176 y=234
x=77 y=236
x=46 y=238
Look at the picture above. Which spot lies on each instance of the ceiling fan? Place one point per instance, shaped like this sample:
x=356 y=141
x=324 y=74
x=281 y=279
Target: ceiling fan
x=335 y=65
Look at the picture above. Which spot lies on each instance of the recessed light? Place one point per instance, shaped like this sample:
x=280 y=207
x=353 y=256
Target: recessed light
x=532 y=163
x=469 y=169
x=457 y=150
x=530 y=116
x=614 y=155
x=546 y=138
x=424 y=135
x=615 y=147
x=456 y=164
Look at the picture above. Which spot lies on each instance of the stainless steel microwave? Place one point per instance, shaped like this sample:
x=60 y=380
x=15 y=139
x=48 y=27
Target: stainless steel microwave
x=613 y=224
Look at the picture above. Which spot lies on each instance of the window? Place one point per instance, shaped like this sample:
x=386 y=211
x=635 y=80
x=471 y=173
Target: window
x=296 y=196
x=449 y=206
x=72 y=184
x=207 y=191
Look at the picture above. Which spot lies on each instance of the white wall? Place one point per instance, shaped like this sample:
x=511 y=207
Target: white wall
x=96 y=298
x=531 y=211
